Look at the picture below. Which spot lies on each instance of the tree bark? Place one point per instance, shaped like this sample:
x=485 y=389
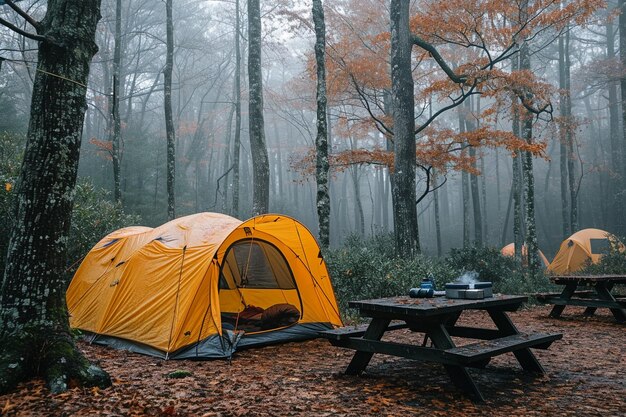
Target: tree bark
x=322 y=166
x=569 y=136
x=527 y=168
x=237 y=88
x=404 y=202
x=518 y=230
x=35 y=338
x=478 y=225
x=169 y=120
x=258 y=149
x=115 y=108
x=616 y=145
x=464 y=186
x=437 y=219
x=563 y=110
x=622 y=83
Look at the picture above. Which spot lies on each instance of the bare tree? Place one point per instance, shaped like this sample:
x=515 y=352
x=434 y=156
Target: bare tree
x=169 y=121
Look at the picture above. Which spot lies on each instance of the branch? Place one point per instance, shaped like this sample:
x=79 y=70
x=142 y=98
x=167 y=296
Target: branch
x=438 y=58
x=25 y=15
x=217 y=190
x=17 y=30
x=427 y=170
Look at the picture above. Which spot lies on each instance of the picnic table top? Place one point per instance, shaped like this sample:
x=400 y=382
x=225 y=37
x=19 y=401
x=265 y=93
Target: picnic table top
x=405 y=305
x=564 y=279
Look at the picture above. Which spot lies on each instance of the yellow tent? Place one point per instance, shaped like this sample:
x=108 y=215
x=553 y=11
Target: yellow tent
x=203 y=286
x=580 y=249
x=509 y=250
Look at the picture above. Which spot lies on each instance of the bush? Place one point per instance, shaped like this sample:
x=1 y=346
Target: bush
x=489 y=263
x=368 y=268
x=94 y=216
x=613 y=262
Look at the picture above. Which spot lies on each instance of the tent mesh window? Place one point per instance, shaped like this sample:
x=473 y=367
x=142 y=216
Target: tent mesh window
x=599 y=246
x=256 y=264
x=253 y=265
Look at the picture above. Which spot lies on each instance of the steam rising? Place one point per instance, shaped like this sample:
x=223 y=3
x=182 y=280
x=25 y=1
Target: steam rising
x=469 y=277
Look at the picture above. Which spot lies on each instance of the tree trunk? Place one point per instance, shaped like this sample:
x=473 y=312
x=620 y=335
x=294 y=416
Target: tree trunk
x=464 y=187
x=169 y=121
x=237 y=87
x=35 y=338
x=478 y=225
x=115 y=108
x=483 y=201
x=404 y=209
x=322 y=166
x=258 y=149
x=569 y=136
x=616 y=146
x=518 y=230
x=563 y=140
x=527 y=169
x=437 y=220
x=621 y=226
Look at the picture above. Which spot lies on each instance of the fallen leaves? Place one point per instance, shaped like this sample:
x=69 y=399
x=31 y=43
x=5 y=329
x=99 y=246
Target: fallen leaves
x=585 y=377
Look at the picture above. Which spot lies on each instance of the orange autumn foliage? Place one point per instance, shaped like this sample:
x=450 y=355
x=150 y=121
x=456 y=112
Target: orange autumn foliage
x=475 y=38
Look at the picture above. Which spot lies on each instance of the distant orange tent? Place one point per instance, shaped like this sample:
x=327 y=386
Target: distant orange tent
x=509 y=250
x=580 y=249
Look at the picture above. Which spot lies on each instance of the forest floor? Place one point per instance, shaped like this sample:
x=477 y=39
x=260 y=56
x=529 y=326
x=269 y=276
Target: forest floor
x=586 y=376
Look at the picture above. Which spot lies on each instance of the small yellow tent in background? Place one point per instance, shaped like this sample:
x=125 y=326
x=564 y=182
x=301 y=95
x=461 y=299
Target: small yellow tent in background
x=202 y=286
x=582 y=248
x=509 y=250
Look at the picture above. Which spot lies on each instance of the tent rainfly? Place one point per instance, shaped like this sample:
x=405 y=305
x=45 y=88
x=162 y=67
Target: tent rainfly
x=509 y=250
x=203 y=286
x=580 y=249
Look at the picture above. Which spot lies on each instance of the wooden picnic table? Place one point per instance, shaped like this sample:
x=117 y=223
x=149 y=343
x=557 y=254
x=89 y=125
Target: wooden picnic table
x=599 y=297
x=437 y=319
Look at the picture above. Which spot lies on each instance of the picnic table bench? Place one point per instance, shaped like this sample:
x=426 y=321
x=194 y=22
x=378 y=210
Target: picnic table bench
x=437 y=319
x=599 y=297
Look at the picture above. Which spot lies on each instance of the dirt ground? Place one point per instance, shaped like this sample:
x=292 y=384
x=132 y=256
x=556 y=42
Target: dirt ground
x=586 y=376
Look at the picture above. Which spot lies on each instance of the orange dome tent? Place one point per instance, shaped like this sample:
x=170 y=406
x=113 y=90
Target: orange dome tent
x=509 y=250
x=203 y=286
x=582 y=248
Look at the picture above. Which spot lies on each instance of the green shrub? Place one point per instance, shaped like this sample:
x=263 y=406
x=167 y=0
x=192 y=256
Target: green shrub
x=613 y=262
x=367 y=268
x=94 y=216
x=489 y=263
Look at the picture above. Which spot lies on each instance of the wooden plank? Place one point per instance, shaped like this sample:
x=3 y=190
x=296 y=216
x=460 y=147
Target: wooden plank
x=487 y=349
x=543 y=297
x=374 y=331
x=474 y=332
x=405 y=307
x=562 y=279
x=355 y=331
x=419 y=353
x=584 y=302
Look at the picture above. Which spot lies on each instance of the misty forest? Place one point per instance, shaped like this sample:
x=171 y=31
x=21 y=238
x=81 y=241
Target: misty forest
x=411 y=138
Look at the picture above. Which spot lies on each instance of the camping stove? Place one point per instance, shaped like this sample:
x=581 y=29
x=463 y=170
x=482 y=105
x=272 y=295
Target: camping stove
x=474 y=291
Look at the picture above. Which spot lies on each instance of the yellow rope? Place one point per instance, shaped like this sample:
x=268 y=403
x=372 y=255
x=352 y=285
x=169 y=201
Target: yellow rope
x=61 y=77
